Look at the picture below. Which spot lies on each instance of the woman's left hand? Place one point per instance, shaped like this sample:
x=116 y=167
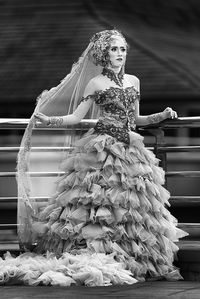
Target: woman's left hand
x=170 y=113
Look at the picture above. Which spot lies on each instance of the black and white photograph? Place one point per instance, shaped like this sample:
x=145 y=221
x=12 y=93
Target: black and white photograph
x=100 y=149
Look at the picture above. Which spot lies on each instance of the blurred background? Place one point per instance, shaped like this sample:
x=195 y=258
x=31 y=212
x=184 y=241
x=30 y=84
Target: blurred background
x=40 y=40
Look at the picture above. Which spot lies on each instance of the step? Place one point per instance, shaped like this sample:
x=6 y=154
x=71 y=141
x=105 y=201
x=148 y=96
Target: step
x=9 y=246
x=189 y=259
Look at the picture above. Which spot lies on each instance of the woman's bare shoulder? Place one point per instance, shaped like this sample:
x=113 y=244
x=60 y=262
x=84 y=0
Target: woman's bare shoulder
x=97 y=82
x=133 y=79
x=93 y=85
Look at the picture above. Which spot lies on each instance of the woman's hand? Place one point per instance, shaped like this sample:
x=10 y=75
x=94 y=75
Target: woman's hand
x=42 y=118
x=170 y=113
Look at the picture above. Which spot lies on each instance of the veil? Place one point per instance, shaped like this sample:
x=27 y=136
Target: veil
x=34 y=162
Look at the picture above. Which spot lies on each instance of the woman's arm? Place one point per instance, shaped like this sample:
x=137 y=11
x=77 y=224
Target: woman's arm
x=143 y=120
x=76 y=116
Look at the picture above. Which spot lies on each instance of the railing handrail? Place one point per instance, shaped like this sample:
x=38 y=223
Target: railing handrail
x=21 y=123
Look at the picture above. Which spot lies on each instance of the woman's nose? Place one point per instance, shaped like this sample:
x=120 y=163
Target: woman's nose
x=119 y=52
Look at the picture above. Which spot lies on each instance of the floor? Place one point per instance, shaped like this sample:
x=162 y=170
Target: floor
x=157 y=289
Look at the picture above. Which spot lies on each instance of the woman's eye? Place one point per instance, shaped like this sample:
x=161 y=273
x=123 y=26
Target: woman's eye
x=114 y=49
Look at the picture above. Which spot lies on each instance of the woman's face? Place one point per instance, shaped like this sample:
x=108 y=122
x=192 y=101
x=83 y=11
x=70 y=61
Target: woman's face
x=117 y=52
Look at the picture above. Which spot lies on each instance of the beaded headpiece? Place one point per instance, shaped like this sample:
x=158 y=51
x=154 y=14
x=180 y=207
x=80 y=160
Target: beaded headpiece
x=101 y=45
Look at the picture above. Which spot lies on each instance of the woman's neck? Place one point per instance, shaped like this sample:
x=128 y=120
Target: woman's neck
x=114 y=75
x=116 y=69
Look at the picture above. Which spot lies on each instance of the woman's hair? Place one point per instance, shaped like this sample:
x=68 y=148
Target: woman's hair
x=102 y=41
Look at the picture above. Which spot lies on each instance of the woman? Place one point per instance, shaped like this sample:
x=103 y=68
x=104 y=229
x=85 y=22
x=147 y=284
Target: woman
x=107 y=222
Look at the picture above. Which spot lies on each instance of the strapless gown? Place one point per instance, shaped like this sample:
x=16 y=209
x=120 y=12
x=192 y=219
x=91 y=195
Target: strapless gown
x=108 y=222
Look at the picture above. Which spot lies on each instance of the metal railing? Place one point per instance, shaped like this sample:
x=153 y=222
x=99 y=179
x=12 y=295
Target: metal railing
x=158 y=131
x=160 y=148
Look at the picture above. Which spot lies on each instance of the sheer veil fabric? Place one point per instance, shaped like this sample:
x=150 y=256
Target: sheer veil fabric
x=60 y=100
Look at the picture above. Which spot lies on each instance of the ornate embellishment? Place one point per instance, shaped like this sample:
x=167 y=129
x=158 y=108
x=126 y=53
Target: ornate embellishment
x=55 y=121
x=117 y=112
x=121 y=134
x=117 y=78
x=155 y=118
x=94 y=96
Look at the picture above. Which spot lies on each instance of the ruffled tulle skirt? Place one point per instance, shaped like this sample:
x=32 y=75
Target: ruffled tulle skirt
x=107 y=223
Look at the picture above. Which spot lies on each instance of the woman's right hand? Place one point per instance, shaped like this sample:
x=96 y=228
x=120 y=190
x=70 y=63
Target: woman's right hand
x=44 y=119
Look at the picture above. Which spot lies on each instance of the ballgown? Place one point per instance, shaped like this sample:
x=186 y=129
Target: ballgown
x=108 y=222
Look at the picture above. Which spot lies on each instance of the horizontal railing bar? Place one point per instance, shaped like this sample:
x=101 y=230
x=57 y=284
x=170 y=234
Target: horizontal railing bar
x=189 y=148
x=13 y=199
x=37 y=149
x=33 y=174
x=190 y=225
x=173 y=199
x=193 y=229
x=184 y=245
x=185 y=173
x=184 y=201
x=180 y=122
x=188 y=122
x=21 y=123
x=180 y=225
x=168 y=149
x=12 y=241
x=8 y=226
x=43 y=149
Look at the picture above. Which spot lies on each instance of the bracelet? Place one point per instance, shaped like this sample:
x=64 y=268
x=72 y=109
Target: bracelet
x=156 y=118
x=55 y=121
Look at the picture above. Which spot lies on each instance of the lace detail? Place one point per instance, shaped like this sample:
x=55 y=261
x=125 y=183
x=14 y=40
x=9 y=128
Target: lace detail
x=117 y=111
x=121 y=134
x=117 y=78
x=55 y=121
x=94 y=96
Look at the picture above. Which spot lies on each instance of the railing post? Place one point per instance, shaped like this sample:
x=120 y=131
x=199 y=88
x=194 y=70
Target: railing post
x=159 y=135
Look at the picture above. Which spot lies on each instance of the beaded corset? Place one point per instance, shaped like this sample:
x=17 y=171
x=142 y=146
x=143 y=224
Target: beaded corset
x=117 y=111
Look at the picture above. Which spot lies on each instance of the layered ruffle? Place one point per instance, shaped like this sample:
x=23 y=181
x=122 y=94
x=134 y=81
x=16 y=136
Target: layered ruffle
x=111 y=203
x=90 y=269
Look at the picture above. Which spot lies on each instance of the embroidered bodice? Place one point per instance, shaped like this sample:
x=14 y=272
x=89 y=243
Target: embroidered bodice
x=117 y=111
